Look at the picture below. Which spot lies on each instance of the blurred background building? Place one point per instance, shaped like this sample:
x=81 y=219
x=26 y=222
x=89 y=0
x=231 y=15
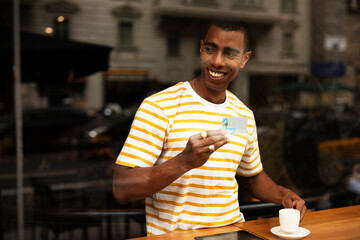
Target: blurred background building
x=159 y=40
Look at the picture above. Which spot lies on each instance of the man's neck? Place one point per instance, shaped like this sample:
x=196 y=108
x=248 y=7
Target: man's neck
x=209 y=95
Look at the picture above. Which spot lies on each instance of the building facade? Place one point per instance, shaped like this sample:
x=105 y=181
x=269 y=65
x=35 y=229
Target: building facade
x=162 y=38
x=335 y=50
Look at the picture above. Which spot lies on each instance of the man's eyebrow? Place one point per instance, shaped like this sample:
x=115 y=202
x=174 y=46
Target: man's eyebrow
x=227 y=49
x=230 y=49
x=211 y=44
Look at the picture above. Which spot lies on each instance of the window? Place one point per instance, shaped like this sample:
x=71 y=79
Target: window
x=125 y=34
x=288 y=6
x=288 y=44
x=61 y=27
x=173 y=43
x=126 y=17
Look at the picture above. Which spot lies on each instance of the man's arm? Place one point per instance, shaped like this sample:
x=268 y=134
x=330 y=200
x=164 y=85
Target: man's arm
x=262 y=187
x=132 y=184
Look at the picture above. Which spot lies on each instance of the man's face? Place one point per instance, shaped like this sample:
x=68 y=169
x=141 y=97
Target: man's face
x=222 y=55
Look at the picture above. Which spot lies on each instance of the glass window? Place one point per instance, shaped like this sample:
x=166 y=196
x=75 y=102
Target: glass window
x=61 y=27
x=125 y=34
x=288 y=5
x=78 y=101
x=288 y=43
x=173 y=43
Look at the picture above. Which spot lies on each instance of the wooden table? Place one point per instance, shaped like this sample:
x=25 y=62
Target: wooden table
x=338 y=223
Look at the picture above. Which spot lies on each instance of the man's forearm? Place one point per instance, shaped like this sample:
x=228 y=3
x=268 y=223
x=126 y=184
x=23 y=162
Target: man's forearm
x=263 y=188
x=137 y=183
x=132 y=184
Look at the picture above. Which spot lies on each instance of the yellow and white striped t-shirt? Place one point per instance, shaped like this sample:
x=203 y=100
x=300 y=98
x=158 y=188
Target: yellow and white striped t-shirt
x=203 y=197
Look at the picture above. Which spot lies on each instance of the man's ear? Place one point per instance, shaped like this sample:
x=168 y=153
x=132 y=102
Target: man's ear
x=201 y=45
x=246 y=58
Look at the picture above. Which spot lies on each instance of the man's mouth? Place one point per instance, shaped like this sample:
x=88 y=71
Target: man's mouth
x=216 y=74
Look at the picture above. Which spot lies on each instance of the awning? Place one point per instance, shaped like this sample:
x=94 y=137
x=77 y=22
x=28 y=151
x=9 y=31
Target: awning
x=47 y=59
x=328 y=69
x=126 y=74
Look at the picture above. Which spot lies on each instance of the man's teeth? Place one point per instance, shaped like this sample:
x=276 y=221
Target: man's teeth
x=215 y=74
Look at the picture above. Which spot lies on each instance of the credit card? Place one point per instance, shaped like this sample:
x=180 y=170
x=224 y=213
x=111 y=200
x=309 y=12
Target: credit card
x=234 y=125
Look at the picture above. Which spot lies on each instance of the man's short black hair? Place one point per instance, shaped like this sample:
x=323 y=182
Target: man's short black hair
x=236 y=26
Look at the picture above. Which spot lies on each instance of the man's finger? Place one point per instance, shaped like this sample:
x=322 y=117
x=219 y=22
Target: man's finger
x=288 y=203
x=300 y=205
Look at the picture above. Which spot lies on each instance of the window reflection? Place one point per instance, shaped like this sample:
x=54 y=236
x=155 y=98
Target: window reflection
x=303 y=87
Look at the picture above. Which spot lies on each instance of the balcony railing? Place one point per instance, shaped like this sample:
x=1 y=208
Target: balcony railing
x=248 y=3
x=200 y=2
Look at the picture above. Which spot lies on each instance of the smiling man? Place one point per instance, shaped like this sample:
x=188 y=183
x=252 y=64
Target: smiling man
x=179 y=154
x=223 y=53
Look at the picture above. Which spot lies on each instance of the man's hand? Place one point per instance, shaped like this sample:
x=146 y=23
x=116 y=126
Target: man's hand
x=261 y=186
x=292 y=200
x=200 y=146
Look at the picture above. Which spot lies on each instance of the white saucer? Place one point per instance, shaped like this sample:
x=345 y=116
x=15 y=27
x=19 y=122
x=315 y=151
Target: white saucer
x=300 y=233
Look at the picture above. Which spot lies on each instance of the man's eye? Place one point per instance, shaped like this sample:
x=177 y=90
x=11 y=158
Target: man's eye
x=230 y=54
x=208 y=49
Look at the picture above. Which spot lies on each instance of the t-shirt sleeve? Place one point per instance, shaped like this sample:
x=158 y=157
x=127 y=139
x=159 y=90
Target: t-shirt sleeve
x=250 y=164
x=144 y=143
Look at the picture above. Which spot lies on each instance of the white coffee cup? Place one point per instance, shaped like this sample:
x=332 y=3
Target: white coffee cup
x=289 y=219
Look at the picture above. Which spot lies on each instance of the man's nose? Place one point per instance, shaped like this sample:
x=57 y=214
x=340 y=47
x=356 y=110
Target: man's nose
x=218 y=60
